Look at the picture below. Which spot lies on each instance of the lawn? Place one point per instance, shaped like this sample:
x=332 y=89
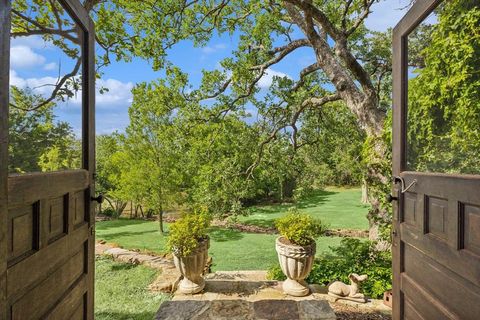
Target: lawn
x=121 y=291
x=230 y=249
x=340 y=208
x=235 y=250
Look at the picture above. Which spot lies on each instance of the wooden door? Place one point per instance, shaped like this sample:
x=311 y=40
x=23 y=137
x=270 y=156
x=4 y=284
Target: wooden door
x=47 y=219
x=436 y=229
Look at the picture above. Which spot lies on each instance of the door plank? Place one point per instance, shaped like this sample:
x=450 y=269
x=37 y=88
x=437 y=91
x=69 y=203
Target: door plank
x=426 y=305
x=67 y=308
x=438 y=282
x=30 y=187
x=37 y=301
x=461 y=262
x=56 y=254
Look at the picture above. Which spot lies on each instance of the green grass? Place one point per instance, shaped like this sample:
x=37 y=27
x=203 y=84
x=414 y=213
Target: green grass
x=230 y=249
x=340 y=208
x=121 y=291
x=235 y=250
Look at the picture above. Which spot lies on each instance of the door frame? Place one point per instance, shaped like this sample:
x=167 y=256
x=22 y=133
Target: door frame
x=415 y=16
x=81 y=17
x=4 y=100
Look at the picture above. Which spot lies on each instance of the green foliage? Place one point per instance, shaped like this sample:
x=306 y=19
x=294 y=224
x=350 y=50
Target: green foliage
x=299 y=228
x=355 y=256
x=187 y=232
x=110 y=212
x=37 y=142
x=444 y=97
x=275 y=273
x=221 y=177
x=336 y=157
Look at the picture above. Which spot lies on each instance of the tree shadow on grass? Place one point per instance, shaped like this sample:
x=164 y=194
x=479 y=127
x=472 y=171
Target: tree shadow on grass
x=116 y=235
x=315 y=199
x=105 y=315
x=223 y=235
x=265 y=223
x=118 y=223
x=122 y=266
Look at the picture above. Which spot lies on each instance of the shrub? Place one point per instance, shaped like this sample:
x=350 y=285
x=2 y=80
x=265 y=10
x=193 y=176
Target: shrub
x=185 y=233
x=299 y=228
x=109 y=212
x=351 y=256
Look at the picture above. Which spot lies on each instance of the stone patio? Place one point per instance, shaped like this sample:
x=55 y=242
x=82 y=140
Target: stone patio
x=245 y=310
x=241 y=295
x=248 y=295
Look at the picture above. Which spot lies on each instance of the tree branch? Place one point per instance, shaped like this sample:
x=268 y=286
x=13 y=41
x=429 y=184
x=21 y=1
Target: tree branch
x=58 y=86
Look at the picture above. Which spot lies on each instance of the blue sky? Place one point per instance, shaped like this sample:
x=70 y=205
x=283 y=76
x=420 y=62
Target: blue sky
x=35 y=63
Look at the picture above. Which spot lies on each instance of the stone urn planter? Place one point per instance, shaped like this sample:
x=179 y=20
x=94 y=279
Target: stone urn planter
x=296 y=263
x=191 y=267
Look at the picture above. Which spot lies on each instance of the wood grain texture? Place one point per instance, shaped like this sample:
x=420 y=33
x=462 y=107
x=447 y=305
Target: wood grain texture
x=89 y=159
x=44 y=296
x=4 y=99
x=30 y=187
x=35 y=266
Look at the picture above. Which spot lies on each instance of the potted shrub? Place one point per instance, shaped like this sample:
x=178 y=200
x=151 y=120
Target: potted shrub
x=189 y=243
x=296 y=249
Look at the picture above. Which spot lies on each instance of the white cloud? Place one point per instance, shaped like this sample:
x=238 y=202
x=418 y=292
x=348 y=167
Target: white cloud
x=119 y=93
x=42 y=85
x=108 y=122
x=24 y=57
x=267 y=79
x=15 y=80
x=50 y=66
x=213 y=49
x=34 y=42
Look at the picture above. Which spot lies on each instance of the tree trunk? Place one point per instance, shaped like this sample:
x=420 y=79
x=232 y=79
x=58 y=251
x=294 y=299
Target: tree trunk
x=378 y=186
x=288 y=186
x=160 y=218
x=364 y=192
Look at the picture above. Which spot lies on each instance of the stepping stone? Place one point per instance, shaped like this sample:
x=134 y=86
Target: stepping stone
x=315 y=310
x=245 y=310
x=175 y=310
x=276 y=310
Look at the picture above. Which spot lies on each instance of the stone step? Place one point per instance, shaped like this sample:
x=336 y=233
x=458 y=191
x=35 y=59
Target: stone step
x=247 y=275
x=265 y=309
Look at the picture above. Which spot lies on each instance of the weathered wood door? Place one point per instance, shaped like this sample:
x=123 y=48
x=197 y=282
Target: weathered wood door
x=47 y=219
x=436 y=229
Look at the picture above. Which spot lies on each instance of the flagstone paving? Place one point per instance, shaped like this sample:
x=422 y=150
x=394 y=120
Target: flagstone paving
x=241 y=295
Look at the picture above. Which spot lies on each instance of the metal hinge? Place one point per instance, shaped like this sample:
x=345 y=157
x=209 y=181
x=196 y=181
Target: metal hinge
x=92 y=230
x=404 y=189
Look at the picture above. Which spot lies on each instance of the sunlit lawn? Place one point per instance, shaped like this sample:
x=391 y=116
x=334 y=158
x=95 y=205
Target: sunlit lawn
x=121 y=291
x=338 y=207
x=235 y=250
x=230 y=249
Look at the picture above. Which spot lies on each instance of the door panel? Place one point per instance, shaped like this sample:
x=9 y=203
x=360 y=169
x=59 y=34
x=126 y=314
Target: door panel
x=436 y=228
x=47 y=219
